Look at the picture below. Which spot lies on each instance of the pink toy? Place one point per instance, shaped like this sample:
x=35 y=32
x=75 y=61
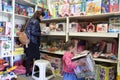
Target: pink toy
x=64 y=10
x=90 y=28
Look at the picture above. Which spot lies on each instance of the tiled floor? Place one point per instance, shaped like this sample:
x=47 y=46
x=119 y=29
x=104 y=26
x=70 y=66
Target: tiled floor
x=23 y=77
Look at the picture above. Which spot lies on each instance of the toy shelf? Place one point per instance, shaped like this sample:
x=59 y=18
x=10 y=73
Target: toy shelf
x=55 y=19
x=95 y=59
x=25 y=2
x=18 y=54
x=57 y=33
x=105 y=60
x=55 y=52
x=94 y=34
x=21 y=16
x=6 y=13
x=95 y=16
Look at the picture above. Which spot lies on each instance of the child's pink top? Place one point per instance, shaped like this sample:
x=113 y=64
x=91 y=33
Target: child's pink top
x=68 y=65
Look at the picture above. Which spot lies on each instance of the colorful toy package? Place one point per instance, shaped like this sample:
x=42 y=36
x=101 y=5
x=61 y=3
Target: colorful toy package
x=73 y=27
x=88 y=70
x=64 y=10
x=107 y=73
x=114 y=25
x=102 y=28
x=5 y=48
x=78 y=9
x=105 y=6
x=42 y=3
x=8 y=30
x=114 y=6
x=93 y=7
x=2 y=27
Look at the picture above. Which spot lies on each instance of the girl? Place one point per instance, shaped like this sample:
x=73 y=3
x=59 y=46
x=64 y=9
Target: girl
x=68 y=65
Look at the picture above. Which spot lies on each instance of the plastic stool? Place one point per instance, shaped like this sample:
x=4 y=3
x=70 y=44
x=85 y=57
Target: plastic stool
x=44 y=72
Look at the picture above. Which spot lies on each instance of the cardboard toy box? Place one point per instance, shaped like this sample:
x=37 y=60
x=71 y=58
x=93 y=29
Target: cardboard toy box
x=105 y=6
x=93 y=7
x=106 y=73
x=114 y=24
x=102 y=28
x=73 y=27
x=88 y=70
x=114 y=6
x=5 y=48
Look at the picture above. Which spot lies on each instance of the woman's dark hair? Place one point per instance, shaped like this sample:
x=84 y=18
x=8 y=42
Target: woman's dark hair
x=37 y=14
x=68 y=44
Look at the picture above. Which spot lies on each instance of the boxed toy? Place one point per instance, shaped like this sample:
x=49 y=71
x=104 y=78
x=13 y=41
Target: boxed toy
x=60 y=27
x=56 y=8
x=5 y=48
x=7 y=8
x=105 y=6
x=114 y=24
x=109 y=47
x=73 y=27
x=2 y=28
x=91 y=27
x=88 y=70
x=42 y=3
x=114 y=6
x=102 y=28
x=8 y=30
x=97 y=68
x=30 y=11
x=75 y=9
x=64 y=10
x=107 y=73
x=93 y=7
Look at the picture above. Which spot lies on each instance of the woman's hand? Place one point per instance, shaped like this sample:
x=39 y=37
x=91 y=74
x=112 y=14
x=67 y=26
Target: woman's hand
x=43 y=33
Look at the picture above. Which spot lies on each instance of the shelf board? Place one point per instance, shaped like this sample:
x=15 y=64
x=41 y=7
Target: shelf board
x=5 y=13
x=18 y=54
x=55 y=19
x=95 y=16
x=55 y=52
x=56 y=34
x=93 y=34
x=21 y=16
x=26 y=2
x=105 y=60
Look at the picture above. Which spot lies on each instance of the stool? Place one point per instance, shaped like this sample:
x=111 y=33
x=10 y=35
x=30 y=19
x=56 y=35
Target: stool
x=44 y=72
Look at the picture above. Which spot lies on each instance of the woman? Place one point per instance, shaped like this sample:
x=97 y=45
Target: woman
x=34 y=33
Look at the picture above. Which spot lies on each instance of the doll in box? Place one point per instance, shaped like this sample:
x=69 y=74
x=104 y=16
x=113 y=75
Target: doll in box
x=24 y=12
x=73 y=27
x=102 y=27
x=90 y=28
x=114 y=6
x=105 y=6
x=64 y=10
x=52 y=26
